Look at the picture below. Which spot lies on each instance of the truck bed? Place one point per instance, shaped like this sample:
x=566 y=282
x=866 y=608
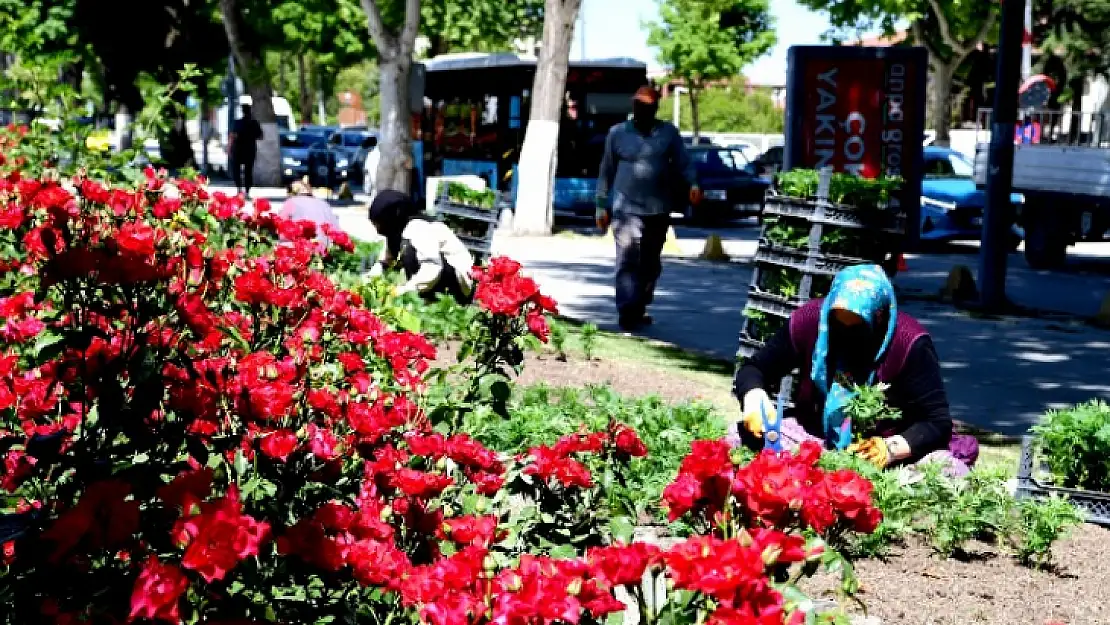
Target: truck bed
x=1051 y=168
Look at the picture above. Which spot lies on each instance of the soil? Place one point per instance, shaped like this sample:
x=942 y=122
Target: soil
x=625 y=377
x=988 y=587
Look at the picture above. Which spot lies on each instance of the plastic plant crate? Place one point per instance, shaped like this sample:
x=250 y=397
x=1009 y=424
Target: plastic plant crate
x=1095 y=505
x=773 y=304
x=823 y=212
x=801 y=260
x=467 y=212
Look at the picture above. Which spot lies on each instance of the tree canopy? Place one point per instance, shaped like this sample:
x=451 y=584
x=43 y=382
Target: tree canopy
x=697 y=48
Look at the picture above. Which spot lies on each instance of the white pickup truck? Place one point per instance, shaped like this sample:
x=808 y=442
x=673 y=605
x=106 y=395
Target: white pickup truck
x=1065 y=179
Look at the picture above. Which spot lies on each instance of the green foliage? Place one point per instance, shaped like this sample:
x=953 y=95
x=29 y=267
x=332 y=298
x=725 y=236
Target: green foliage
x=694 y=45
x=541 y=414
x=559 y=337
x=731 y=109
x=588 y=338
x=1075 y=444
x=862 y=193
x=484 y=25
x=484 y=199
x=868 y=408
x=949 y=513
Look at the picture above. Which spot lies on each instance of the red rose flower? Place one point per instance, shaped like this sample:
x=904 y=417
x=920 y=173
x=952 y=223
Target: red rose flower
x=220 y=537
x=157 y=591
x=628 y=442
x=136 y=238
x=279 y=444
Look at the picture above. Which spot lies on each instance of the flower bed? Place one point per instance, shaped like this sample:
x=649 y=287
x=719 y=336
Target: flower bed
x=200 y=425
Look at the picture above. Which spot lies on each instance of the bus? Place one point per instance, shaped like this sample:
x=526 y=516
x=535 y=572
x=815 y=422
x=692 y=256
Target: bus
x=476 y=110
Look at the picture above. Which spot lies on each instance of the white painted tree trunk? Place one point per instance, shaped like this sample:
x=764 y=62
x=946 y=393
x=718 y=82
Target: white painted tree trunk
x=536 y=186
x=539 y=156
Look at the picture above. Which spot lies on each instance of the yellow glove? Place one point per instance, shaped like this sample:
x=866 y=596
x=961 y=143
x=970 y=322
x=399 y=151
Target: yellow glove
x=755 y=403
x=873 y=450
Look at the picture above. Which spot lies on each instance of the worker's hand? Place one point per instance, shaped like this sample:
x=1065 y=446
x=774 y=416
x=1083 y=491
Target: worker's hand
x=696 y=195
x=756 y=403
x=601 y=216
x=873 y=450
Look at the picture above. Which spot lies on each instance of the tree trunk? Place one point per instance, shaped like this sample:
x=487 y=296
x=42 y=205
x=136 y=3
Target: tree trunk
x=942 y=100
x=305 y=99
x=395 y=167
x=248 y=54
x=695 y=115
x=395 y=61
x=539 y=155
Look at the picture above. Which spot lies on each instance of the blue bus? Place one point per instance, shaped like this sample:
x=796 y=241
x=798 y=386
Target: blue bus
x=476 y=110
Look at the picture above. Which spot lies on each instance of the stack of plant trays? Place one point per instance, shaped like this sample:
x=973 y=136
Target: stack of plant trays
x=472 y=223
x=804 y=242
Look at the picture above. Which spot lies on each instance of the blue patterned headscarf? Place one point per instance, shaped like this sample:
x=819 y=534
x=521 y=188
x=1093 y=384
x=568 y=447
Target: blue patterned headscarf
x=866 y=291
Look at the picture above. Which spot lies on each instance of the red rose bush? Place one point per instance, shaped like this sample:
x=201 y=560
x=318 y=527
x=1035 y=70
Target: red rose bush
x=198 y=425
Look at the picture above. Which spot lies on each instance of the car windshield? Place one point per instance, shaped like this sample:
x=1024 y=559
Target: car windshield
x=948 y=165
x=300 y=139
x=722 y=161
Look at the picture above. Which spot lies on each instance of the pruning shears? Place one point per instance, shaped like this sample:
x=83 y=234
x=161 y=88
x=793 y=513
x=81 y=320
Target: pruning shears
x=772 y=428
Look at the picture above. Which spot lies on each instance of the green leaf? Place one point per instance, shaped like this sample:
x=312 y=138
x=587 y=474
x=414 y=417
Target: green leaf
x=564 y=552
x=622 y=528
x=45 y=339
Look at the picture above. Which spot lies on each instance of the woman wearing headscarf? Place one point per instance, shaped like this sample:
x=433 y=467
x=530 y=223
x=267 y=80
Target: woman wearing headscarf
x=853 y=337
x=434 y=260
x=302 y=205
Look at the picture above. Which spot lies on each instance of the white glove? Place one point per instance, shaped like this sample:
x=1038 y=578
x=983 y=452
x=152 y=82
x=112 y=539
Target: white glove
x=756 y=403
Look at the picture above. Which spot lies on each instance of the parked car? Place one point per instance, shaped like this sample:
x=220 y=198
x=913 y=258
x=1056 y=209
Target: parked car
x=951 y=205
x=294 y=152
x=770 y=162
x=729 y=183
x=351 y=146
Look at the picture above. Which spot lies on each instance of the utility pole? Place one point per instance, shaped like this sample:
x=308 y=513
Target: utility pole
x=1000 y=162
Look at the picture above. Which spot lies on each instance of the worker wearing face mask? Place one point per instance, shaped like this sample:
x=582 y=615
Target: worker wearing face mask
x=855 y=336
x=645 y=174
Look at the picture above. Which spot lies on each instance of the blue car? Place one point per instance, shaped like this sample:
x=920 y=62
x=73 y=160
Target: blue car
x=951 y=205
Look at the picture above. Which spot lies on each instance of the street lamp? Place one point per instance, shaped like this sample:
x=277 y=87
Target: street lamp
x=678 y=91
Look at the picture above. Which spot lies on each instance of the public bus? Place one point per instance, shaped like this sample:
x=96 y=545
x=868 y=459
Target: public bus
x=476 y=110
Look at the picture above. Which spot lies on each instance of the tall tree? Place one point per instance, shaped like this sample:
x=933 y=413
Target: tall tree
x=538 y=156
x=949 y=29
x=1074 y=36
x=487 y=25
x=699 y=49
x=396 y=42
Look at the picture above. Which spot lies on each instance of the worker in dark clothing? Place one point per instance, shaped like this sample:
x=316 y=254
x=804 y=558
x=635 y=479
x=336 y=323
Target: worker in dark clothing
x=646 y=167
x=243 y=142
x=855 y=336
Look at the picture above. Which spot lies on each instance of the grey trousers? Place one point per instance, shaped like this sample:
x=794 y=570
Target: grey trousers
x=639 y=242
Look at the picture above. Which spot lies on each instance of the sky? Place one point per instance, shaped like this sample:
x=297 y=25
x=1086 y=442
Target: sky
x=613 y=28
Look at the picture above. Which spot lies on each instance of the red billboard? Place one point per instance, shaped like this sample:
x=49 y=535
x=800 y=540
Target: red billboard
x=862 y=111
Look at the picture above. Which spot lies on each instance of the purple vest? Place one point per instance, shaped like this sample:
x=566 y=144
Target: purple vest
x=803 y=334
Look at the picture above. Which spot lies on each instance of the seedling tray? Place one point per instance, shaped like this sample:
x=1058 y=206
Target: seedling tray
x=454 y=209
x=1096 y=505
x=815 y=211
x=802 y=260
x=773 y=304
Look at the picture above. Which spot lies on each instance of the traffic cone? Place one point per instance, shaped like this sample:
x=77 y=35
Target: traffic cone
x=670 y=246
x=902 y=266
x=345 y=192
x=714 y=250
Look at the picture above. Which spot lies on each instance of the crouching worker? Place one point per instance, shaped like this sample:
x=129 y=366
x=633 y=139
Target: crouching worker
x=434 y=260
x=855 y=336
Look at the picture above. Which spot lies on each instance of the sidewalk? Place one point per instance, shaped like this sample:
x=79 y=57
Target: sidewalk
x=1001 y=375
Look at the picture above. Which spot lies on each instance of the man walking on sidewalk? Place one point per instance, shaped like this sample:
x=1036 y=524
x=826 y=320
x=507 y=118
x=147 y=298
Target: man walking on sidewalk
x=243 y=140
x=646 y=167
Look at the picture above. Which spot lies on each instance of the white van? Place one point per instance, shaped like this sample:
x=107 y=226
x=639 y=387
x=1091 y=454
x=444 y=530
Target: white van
x=282 y=110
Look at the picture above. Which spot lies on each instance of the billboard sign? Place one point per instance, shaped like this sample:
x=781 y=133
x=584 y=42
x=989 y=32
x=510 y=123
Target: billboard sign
x=859 y=110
